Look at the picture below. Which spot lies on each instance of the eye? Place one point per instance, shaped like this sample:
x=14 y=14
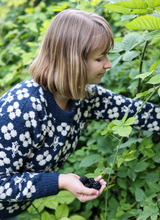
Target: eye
x=100 y=59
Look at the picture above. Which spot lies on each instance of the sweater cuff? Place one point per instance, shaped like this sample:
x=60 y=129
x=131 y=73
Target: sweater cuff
x=47 y=184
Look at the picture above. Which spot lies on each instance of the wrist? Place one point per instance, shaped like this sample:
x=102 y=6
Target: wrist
x=62 y=181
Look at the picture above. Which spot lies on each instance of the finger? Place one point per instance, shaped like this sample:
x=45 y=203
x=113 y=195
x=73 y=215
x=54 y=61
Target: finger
x=98 y=178
x=88 y=192
x=85 y=198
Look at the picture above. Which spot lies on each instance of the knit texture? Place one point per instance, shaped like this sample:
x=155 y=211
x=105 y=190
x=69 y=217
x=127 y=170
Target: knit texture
x=37 y=137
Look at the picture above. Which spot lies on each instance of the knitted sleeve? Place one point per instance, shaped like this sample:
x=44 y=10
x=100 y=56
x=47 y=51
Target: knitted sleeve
x=22 y=130
x=107 y=105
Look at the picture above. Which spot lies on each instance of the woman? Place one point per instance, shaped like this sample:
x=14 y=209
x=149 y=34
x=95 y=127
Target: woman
x=42 y=118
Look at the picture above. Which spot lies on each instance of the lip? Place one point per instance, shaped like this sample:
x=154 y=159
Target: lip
x=101 y=74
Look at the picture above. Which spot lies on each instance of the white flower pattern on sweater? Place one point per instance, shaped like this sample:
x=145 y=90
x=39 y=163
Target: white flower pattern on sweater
x=37 y=137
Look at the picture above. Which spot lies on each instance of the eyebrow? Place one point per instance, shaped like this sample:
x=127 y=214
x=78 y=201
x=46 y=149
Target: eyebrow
x=102 y=54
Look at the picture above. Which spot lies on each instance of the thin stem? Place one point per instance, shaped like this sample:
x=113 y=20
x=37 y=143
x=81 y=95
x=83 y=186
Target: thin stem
x=37 y=211
x=141 y=62
x=110 y=175
x=146 y=100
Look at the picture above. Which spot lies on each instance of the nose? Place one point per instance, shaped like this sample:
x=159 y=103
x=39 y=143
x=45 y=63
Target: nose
x=107 y=64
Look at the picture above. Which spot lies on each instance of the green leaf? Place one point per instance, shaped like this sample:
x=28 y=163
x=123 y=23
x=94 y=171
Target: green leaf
x=130 y=141
x=123 y=131
x=157 y=14
x=130 y=121
x=130 y=55
x=39 y=204
x=154 y=216
x=28 y=216
x=51 y=202
x=131 y=174
x=61 y=211
x=77 y=217
x=135 y=4
x=64 y=196
x=145 y=22
x=140 y=166
x=65 y=218
x=46 y=215
x=154 y=186
x=139 y=195
x=144 y=214
x=154 y=79
x=152 y=3
x=116 y=8
x=117 y=48
x=154 y=65
x=143 y=75
x=139 y=11
x=159 y=91
x=32 y=26
x=122 y=183
x=129 y=41
x=124 y=117
x=89 y=160
x=127 y=17
x=155 y=39
x=152 y=177
x=117 y=122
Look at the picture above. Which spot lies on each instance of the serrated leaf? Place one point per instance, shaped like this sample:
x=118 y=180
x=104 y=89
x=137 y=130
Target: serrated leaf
x=139 y=195
x=143 y=75
x=117 y=8
x=62 y=211
x=45 y=215
x=135 y=4
x=157 y=14
x=122 y=131
x=89 y=160
x=127 y=17
x=145 y=22
x=122 y=183
x=117 y=48
x=77 y=217
x=117 y=122
x=154 y=186
x=152 y=3
x=130 y=141
x=155 y=39
x=130 y=55
x=130 y=121
x=154 y=80
x=154 y=65
x=139 y=11
x=140 y=166
x=128 y=42
x=64 y=196
x=114 y=63
x=124 y=117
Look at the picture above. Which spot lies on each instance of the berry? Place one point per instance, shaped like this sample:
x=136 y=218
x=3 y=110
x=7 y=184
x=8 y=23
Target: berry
x=96 y=185
x=90 y=182
x=83 y=179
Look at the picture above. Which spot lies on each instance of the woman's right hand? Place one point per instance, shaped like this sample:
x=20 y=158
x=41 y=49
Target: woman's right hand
x=72 y=183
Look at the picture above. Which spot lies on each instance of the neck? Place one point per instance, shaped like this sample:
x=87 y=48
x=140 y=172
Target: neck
x=63 y=103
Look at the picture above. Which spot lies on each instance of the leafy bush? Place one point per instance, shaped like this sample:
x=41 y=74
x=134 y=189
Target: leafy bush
x=127 y=158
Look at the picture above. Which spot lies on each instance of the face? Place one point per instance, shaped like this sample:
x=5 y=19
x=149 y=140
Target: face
x=97 y=62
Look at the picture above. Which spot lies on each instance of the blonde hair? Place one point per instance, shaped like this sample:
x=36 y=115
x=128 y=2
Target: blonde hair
x=61 y=64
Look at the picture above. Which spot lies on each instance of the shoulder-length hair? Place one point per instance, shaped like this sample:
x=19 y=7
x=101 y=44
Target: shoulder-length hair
x=61 y=63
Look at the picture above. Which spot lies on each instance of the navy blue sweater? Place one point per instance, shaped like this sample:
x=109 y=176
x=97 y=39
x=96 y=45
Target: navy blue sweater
x=37 y=137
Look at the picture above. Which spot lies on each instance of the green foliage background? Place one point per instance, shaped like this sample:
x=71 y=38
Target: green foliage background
x=127 y=158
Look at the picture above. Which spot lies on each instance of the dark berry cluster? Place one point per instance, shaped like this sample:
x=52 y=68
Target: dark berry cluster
x=90 y=182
